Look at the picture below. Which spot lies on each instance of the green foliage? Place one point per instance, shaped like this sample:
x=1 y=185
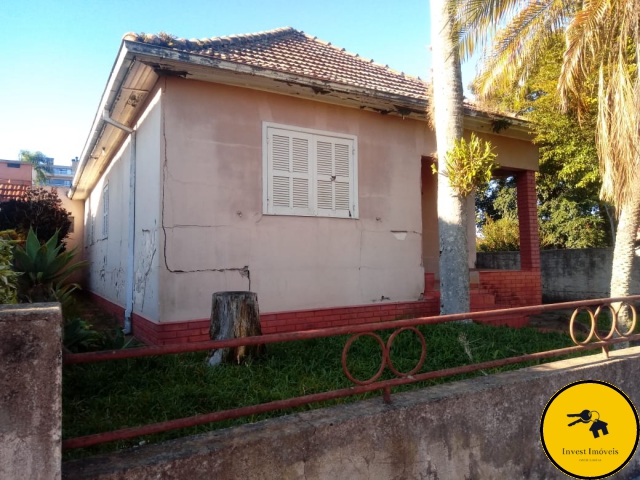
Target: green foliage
x=37 y=160
x=468 y=165
x=8 y=276
x=80 y=336
x=500 y=235
x=44 y=269
x=41 y=210
x=570 y=212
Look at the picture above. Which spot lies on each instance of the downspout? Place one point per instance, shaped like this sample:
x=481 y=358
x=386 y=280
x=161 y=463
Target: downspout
x=132 y=220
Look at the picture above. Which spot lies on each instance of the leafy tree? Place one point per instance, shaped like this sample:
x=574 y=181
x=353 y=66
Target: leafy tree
x=38 y=161
x=570 y=212
x=39 y=209
x=602 y=42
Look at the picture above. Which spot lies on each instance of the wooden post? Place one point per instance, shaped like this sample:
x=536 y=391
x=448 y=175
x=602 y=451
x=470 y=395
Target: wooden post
x=234 y=315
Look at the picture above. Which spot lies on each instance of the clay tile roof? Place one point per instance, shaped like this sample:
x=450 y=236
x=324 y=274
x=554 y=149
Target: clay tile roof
x=292 y=51
x=13 y=190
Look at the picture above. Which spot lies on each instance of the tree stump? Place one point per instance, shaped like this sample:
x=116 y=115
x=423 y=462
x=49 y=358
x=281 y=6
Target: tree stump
x=234 y=315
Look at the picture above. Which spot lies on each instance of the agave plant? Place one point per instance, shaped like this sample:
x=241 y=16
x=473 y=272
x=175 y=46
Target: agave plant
x=44 y=269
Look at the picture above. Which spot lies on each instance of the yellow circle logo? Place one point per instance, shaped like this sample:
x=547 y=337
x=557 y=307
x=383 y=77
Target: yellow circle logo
x=589 y=429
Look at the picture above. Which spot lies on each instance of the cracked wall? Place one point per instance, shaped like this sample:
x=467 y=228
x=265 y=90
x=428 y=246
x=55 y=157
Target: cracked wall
x=145 y=280
x=106 y=275
x=213 y=223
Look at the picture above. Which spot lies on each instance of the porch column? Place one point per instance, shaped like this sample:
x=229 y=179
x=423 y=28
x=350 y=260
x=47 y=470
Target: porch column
x=528 y=219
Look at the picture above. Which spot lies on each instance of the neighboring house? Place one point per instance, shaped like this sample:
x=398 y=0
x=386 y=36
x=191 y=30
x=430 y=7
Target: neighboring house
x=277 y=163
x=15 y=179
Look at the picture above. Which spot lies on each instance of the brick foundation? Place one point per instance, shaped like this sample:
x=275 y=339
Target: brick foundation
x=482 y=296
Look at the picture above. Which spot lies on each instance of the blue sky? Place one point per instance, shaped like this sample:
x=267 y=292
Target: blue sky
x=56 y=55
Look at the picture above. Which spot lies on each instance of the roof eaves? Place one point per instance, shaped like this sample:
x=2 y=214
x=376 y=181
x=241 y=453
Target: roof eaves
x=166 y=54
x=109 y=96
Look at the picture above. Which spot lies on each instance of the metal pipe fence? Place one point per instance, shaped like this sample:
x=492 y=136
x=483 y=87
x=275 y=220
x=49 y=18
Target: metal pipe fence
x=594 y=340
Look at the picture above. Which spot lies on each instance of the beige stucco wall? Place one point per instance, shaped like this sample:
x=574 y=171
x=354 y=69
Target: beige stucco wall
x=511 y=152
x=199 y=185
x=213 y=206
x=76 y=208
x=108 y=255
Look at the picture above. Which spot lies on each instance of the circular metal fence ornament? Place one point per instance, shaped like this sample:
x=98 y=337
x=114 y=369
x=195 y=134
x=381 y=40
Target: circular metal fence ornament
x=573 y=320
x=423 y=353
x=345 y=351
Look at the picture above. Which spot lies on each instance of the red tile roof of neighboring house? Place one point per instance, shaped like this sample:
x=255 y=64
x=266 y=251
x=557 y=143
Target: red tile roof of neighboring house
x=292 y=51
x=13 y=190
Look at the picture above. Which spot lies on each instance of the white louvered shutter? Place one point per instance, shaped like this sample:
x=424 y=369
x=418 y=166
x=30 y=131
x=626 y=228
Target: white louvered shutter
x=289 y=164
x=334 y=184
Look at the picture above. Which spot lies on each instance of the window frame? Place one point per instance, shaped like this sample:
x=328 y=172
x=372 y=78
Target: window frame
x=266 y=210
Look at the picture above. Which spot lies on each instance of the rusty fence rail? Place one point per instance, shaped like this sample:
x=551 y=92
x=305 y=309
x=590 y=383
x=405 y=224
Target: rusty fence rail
x=594 y=340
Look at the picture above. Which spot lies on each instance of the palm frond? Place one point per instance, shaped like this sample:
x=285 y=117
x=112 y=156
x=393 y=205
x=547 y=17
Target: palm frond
x=585 y=36
x=517 y=46
x=479 y=19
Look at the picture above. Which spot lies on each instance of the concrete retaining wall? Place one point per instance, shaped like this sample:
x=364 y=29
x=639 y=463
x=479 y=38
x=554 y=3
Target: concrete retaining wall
x=566 y=274
x=30 y=391
x=483 y=428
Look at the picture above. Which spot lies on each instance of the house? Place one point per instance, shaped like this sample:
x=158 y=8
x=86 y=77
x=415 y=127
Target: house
x=18 y=178
x=15 y=179
x=278 y=163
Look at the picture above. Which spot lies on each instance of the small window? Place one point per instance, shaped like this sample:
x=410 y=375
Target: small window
x=71 y=227
x=309 y=173
x=105 y=211
x=13 y=165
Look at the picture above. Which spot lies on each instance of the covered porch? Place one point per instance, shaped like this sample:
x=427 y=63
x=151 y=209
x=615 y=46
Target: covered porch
x=489 y=289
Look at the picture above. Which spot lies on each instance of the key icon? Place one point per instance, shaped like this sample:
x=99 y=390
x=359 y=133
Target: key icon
x=584 y=417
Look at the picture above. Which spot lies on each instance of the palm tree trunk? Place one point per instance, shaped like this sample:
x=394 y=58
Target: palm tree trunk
x=624 y=253
x=448 y=113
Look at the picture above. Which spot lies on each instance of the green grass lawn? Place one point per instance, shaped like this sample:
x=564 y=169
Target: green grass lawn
x=117 y=394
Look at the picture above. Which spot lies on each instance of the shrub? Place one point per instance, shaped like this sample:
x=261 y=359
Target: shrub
x=8 y=277
x=39 y=209
x=499 y=235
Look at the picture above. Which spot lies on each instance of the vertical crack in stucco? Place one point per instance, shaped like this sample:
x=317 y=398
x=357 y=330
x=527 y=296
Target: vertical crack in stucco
x=149 y=244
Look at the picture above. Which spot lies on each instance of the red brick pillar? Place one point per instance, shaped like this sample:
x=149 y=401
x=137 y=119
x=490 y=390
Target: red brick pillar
x=528 y=218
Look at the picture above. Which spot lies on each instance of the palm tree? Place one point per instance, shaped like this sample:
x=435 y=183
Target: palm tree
x=37 y=160
x=602 y=41
x=447 y=116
